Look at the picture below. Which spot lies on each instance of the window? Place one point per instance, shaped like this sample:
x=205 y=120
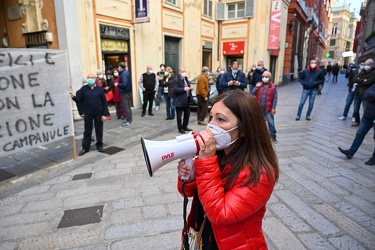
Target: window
x=332 y=42
x=207 y=8
x=332 y=54
x=174 y=2
x=240 y=9
x=334 y=28
x=235 y=10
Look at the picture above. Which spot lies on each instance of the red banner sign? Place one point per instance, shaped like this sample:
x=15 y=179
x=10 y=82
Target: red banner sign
x=233 y=48
x=274 y=38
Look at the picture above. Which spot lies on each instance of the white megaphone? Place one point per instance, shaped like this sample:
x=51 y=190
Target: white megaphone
x=159 y=153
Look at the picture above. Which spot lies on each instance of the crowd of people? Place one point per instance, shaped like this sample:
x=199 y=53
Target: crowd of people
x=236 y=162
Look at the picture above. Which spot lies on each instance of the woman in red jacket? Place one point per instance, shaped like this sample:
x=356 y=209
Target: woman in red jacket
x=233 y=176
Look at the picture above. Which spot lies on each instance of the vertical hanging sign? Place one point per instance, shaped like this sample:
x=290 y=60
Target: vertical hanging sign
x=142 y=11
x=274 y=37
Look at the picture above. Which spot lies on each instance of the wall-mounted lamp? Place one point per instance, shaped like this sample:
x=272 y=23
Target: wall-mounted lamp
x=290 y=25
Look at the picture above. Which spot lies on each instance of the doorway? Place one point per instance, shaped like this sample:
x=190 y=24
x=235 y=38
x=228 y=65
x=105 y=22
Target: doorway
x=231 y=59
x=171 y=55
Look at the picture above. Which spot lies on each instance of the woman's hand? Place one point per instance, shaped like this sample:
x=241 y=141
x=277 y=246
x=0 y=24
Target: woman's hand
x=185 y=170
x=207 y=144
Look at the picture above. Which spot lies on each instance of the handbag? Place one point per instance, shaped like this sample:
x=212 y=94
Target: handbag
x=195 y=238
x=109 y=96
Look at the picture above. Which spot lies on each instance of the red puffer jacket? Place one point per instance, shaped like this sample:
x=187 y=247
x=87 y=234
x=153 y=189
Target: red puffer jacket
x=236 y=216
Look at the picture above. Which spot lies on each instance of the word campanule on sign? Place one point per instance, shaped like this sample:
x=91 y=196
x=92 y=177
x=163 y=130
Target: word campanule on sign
x=35 y=107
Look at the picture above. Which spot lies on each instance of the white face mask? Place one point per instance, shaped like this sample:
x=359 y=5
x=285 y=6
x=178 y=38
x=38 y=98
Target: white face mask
x=222 y=72
x=100 y=76
x=367 y=67
x=115 y=74
x=222 y=136
x=253 y=68
x=162 y=68
x=313 y=65
x=183 y=74
x=166 y=73
x=150 y=71
x=265 y=79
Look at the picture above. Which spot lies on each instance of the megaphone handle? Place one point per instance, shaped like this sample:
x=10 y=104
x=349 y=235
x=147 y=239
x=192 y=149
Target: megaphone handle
x=188 y=162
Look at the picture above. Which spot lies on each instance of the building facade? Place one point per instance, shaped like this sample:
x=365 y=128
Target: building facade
x=341 y=34
x=365 y=39
x=98 y=34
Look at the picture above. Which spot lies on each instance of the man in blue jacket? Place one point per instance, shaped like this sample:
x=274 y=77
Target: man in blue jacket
x=234 y=79
x=366 y=124
x=310 y=79
x=95 y=110
x=125 y=89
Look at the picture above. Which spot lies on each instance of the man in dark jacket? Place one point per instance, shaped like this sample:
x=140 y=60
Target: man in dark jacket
x=257 y=74
x=95 y=110
x=125 y=89
x=335 y=72
x=181 y=100
x=234 y=79
x=367 y=123
x=310 y=79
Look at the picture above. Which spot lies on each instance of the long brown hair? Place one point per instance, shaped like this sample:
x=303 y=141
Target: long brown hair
x=254 y=147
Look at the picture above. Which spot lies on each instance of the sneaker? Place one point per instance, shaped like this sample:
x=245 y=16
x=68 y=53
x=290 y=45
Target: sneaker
x=342 y=118
x=297 y=118
x=353 y=119
x=125 y=124
x=346 y=153
x=202 y=123
x=370 y=162
x=157 y=108
x=308 y=118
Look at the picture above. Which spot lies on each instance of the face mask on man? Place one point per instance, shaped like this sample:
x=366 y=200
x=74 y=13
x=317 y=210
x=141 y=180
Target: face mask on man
x=166 y=73
x=362 y=67
x=265 y=79
x=313 y=65
x=207 y=73
x=367 y=67
x=234 y=71
x=259 y=67
x=90 y=81
x=222 y=72
x=150 y=71
x=100 y=76
x=183 y=74
x=222 y=136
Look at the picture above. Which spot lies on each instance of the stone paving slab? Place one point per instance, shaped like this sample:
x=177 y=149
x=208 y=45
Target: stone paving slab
x=321 y=201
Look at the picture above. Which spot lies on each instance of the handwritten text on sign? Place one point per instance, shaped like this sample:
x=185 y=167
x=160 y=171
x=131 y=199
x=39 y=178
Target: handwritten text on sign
x=35 y=108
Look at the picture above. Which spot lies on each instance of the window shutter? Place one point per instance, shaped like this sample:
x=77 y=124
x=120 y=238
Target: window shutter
x=220 y=11
x=249 y=8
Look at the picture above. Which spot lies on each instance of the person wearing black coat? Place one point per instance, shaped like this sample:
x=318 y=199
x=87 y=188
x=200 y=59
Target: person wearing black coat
x=366 y=124
x=95 y=110
x=181 y=100
x=335 y=72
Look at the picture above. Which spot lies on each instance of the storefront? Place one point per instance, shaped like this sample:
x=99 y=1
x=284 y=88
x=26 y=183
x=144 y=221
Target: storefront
x=115 y=47
x=234 y=51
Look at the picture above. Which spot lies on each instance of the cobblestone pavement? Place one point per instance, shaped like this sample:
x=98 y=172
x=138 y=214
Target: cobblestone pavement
x=322 y=200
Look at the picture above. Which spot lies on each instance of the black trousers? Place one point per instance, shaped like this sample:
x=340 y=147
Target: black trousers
x=202 y=108
x=148 y=96
x=185 y=122
x=89 y=120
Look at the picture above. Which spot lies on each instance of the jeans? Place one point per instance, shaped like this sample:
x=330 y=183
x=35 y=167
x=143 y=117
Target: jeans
x=126 y=103
x=366 y=124
x=311 y=93
x=349 y=101
x=158 y=96
x=169 y=106
x=271 y=123
x=334 y=79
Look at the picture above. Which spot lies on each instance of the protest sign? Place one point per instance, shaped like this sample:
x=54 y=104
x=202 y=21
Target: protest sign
x=35 y=107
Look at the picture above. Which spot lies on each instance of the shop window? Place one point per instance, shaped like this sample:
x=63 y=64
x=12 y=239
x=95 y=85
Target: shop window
x=241 y=9
x=207 y=8
x=332 y=42
x=173 y=2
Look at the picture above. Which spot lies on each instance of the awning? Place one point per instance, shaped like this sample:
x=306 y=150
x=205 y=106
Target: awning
x=347 y=54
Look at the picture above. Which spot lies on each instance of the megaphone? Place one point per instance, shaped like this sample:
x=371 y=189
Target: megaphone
x=159 y=153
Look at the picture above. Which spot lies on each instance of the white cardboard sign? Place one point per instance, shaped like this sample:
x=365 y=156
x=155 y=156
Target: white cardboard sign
x=35 y=107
